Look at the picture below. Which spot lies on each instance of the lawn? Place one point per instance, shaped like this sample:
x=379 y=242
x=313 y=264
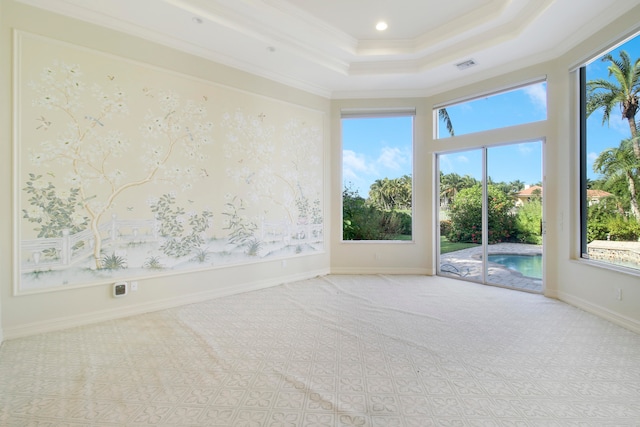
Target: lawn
x=447 y=246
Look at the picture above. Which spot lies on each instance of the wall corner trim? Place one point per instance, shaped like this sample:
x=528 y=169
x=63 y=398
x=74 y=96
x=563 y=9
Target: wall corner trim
x=602 y=312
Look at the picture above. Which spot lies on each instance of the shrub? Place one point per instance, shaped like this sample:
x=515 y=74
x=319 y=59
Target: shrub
x=598 y=217
x=624 y=229
x=364 y=222
x=445 y=227
x=529 y=221
x=466 y=216
x=404 y=220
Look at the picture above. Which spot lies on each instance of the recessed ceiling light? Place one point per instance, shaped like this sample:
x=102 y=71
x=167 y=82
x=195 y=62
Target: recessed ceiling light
x=271 y=49
x=197 y=19
x=381 y=26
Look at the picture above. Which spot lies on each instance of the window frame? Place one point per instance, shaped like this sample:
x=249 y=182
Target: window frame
x=380 y=113
x=582 y=140
x=488 y=94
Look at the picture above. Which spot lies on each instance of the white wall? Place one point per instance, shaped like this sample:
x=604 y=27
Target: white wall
x=31 y=313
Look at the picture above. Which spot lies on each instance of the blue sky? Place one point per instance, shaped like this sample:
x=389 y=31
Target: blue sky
x=377 y=148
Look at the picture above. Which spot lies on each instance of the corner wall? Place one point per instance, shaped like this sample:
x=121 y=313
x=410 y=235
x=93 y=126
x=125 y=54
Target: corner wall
x=39 y=312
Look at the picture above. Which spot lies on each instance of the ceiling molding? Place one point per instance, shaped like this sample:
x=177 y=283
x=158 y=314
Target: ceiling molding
x=252 y=23
x=452 y=29
x=282 y=40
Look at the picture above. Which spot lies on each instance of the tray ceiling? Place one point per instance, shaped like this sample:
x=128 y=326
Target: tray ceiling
x=331 y=47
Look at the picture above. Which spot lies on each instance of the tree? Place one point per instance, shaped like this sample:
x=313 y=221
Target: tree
x=450 y=184
x=443 y=114
x=623 y=92
x=620 y=161
x=391 y=194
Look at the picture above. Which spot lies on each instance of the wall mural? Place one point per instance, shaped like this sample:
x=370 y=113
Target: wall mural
x=128 y=171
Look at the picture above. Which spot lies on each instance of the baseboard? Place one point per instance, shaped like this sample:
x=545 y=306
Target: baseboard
x=383 y=270
x=105 y=315
x=611 y=316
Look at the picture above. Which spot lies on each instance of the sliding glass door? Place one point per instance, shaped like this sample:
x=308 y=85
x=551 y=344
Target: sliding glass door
x=490 y=215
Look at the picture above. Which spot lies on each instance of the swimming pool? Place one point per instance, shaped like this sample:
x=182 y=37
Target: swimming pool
x=527 y=265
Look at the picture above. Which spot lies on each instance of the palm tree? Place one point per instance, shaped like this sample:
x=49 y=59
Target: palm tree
x=375 y=193
x=623 y=92
x=444 y=117
x=621 y=161
x=450 y=184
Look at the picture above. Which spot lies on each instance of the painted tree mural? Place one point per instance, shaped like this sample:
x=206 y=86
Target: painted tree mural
x=90 y=147
x=131 y=171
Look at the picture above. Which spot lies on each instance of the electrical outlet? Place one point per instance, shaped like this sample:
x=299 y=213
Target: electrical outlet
x=133 y=286
x=619 y=294
x=119 y=289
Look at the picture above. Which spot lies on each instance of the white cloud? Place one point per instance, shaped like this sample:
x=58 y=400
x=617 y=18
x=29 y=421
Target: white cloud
x=524 y=149
x=391 y=158
x=538 y=94
x=354 y=161
x=355 y=168
x=462 y=159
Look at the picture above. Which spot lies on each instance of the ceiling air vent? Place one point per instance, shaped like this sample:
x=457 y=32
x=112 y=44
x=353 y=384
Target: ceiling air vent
x=466 y=64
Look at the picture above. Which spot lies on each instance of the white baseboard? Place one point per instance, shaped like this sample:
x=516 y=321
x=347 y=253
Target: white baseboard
x=605 y=313
x=384 y=270
x=175 y=301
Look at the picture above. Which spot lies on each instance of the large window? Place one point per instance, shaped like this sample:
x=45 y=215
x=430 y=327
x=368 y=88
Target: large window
x=525 y=104
x=377 y=166
x=610 y=157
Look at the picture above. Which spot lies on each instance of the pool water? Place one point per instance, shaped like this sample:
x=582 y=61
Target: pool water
x=528 y=265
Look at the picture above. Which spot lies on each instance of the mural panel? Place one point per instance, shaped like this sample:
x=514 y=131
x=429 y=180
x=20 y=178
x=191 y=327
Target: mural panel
x=124 y=170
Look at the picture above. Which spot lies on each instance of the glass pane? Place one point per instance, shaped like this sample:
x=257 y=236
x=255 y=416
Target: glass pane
x=523 y=105
x=514 y=187
x=613 y=158
x=461 y=214
x=377 y=165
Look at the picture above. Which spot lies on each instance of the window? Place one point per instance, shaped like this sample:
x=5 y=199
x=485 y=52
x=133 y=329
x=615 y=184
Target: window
x=494 y=111
x=610 y=157
x=377 y=169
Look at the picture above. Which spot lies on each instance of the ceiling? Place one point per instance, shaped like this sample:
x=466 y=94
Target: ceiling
x=331 y=47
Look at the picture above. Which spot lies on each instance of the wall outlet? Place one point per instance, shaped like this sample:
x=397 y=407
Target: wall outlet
x=619 y=294
x=133 y=286
x=119 y=289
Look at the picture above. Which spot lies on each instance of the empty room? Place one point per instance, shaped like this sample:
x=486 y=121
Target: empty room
x=336 y=213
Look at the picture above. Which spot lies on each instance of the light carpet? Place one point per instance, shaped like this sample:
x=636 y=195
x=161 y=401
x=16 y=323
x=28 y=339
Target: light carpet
x=333 y=351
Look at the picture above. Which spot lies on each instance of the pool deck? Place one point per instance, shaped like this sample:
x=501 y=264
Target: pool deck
x=467 y=264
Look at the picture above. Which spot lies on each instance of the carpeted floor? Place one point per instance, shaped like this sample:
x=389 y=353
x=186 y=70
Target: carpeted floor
x=333 y=351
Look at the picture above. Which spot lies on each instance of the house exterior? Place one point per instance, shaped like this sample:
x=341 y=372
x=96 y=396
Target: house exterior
x=593 y=196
